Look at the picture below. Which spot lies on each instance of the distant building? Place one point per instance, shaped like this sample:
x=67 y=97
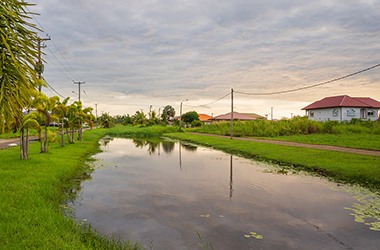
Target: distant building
x=343 y=108
x=236 y=115
x=205 y=119
x=257 y=116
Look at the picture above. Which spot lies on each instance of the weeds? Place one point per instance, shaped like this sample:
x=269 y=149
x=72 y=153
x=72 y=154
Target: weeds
x=202 y=244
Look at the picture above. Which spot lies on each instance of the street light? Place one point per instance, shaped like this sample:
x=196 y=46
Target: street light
x=180 y=114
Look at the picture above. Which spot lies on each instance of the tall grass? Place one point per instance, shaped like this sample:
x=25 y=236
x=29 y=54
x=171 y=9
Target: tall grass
x=285 y=127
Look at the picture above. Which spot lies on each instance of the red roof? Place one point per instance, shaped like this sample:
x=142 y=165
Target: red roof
x=343 y=101
x=204 y=117
x=237 y=115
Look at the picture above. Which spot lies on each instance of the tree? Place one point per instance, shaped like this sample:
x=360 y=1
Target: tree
x=106 y=121
x=44 y=107
x=189 y=117
x=61 y=110
x=168 y=112
x=139 y=118
x=28 y=122
x=18 y=52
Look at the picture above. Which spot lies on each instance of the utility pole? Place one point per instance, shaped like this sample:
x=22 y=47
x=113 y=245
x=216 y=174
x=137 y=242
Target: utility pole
x=180 y=115
x=39 y=66
x=96 y=110
x=232 y=113
x=79 y=83
x=271 y=113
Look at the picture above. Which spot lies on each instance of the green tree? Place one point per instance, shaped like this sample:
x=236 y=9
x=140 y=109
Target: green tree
x=139 y=118
x=61 y=110
x=28 y=122
x=189 y=117
x=168 y=112
x=106 y=121
x=18 y=54
x=44 y=107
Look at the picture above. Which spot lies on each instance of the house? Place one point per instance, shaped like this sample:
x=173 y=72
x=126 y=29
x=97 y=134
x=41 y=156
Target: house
x=236 y=115
x=205 y=119
x=257 y=116
x=343 y=108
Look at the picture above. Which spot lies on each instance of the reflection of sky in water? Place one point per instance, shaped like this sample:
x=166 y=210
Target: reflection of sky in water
x=145 y=193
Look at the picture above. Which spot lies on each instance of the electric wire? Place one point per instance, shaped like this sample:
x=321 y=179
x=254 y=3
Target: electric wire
x=53 y=89
x=207 y=104
x=63 y=73
x=312 y=86
x=61 y=63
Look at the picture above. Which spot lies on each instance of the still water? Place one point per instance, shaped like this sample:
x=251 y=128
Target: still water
x=162 y=192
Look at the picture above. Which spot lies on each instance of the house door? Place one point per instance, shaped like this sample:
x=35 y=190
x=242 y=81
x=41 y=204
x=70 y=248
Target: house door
x=363 y=114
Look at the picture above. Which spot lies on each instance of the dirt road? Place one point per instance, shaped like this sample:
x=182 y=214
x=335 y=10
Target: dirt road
x=12 y=142
x=296 y=144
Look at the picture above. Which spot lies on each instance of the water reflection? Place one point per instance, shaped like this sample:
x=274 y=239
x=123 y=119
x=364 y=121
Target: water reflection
x=232 y=202
x=231 y=181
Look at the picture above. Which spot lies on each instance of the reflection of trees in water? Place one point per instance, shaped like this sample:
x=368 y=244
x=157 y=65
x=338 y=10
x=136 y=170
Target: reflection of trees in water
x=105 y=141
x=152 y=144
x=168 y=146
x=191 y=148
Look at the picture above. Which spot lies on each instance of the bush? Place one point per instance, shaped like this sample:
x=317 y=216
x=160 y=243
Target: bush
x=196 y=123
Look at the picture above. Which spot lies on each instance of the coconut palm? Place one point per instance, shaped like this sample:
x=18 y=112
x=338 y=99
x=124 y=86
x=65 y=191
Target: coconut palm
x=28 y=122
x=44 y=106
x=17 y=56
x=61 y=110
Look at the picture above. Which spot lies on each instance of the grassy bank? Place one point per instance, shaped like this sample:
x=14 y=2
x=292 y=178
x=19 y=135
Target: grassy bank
x=32 y=195
x=354 y=134
x=343 y=167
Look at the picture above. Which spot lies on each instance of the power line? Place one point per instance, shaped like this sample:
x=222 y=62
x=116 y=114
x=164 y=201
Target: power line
x=61 y=63
x=314 y=85
x=63 y=73
x=33 y=15
x=203 y=105
x=53 y=89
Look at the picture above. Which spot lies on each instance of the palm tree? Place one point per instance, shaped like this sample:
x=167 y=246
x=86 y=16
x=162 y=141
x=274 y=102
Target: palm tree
x=18 y=53
x=28 y=122
x=44 y=106
x=61 y=110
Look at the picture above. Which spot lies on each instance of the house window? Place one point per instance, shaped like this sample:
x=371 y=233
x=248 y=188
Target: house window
x=351 y=112
x=371 y=112
x=335 y=112
x=311 y=113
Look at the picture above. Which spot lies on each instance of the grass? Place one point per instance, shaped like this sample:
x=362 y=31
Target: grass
x=32 y=196
x=342 y=167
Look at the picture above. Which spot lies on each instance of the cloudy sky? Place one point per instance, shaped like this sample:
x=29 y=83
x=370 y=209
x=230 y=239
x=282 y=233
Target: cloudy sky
x=133 y=54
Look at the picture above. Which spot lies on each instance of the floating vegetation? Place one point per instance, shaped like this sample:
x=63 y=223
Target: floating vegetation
x=367 y=210
x=253 y=235
x=205 y=215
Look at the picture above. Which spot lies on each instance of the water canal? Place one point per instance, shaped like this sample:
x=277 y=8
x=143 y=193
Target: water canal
x=162 y=192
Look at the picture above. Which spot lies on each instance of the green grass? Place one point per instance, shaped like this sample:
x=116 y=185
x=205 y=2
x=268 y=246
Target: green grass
x=363 y=141
x=32 y=195
x=342 y=167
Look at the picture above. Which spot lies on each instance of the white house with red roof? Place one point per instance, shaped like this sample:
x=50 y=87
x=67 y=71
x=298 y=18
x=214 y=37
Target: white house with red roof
x=343 y=108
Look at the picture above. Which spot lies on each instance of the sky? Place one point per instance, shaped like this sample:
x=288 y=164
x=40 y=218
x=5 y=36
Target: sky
x=137 y=55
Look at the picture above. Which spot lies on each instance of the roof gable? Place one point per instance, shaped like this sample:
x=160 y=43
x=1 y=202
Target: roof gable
x=343 y=101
